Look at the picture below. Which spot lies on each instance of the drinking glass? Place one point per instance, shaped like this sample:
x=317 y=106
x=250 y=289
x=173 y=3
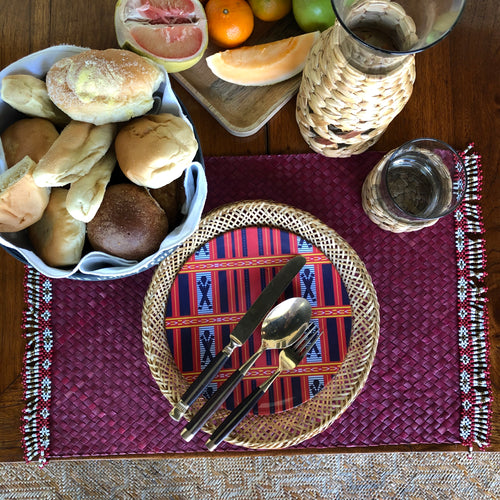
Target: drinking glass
x=414 y=185
x=360 y=73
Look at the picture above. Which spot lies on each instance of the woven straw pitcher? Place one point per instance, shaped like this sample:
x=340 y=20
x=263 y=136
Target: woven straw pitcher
x=360 y=72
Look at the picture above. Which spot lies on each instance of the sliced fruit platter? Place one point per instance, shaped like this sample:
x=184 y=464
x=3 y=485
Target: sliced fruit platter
x=241 y=74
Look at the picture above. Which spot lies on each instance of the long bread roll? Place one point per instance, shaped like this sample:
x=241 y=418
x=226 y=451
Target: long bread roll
x=77 y=149
x=85 y=194
x=58 y=238
x=28 y=94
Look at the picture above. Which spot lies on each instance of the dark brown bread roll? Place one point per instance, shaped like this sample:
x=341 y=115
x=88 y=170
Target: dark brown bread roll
x=129 y=223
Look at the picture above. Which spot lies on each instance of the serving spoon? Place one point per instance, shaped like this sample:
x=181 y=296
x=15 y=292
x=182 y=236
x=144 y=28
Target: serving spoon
x=281 y=328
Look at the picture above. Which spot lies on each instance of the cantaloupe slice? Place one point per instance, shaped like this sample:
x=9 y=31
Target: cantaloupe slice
x=263 y=64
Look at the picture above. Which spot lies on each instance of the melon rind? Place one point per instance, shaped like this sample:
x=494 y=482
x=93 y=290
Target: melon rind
x=264 y=64
x=124 y=19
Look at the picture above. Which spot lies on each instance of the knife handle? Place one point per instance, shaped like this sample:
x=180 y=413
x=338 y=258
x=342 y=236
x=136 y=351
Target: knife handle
x=201 y=382
x=210 y=407
x=235 y=418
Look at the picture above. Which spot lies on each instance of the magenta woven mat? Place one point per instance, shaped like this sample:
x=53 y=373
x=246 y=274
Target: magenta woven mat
x=93 y=395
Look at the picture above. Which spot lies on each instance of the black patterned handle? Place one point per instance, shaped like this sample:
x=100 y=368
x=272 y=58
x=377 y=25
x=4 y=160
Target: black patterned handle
x=211 y=406
x=234 y=418
x=199 y=385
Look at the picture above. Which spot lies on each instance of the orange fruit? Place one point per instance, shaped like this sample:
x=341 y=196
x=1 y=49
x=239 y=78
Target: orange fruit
x=270 y=10
x=263 y=64
x=230 y=22
x=173 y=33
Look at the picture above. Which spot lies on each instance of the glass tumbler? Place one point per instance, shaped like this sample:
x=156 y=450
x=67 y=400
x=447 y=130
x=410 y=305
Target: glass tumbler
x=360 y=73
x=413 y=186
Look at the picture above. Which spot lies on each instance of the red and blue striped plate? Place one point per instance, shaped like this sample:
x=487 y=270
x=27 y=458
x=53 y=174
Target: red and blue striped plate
x=218 y=284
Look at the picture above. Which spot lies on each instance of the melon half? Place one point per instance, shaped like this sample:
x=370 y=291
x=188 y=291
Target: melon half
x=263 y=64
x=173 y=33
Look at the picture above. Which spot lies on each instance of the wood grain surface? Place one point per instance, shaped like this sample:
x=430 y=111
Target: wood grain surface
x=456 y=98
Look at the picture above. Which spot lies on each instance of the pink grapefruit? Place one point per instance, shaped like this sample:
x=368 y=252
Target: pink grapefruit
x=173 y=33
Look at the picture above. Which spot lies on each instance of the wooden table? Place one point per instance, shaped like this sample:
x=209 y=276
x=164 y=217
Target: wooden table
x=456 y=98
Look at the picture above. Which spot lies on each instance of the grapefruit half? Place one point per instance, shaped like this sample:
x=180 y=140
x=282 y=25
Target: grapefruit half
x=173 y=33
x=263 y=64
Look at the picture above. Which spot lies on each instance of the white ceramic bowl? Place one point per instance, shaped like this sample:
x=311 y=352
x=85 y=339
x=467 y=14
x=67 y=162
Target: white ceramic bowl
x=98 y=265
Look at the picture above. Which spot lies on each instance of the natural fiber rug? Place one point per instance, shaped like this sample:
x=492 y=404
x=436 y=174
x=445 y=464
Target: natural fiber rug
x=89 y=390
x=405 y=476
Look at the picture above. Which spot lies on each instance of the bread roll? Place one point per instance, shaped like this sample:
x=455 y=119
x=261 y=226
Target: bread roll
x=28 y=137
x=129 y=223
x=77 y=149
x=102 y=86
x=155 y=150
x=22 y=202
x=168 y=198
x=57 y=237
x=85 y=195
x=28 y=94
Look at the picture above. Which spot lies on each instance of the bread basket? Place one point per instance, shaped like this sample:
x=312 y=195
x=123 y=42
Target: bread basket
x=98 y=265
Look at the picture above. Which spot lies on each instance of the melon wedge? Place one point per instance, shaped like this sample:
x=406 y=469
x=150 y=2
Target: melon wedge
x=263 y=64
x=173 y=33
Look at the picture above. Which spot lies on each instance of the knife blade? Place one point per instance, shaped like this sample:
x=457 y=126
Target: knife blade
x=241 y=333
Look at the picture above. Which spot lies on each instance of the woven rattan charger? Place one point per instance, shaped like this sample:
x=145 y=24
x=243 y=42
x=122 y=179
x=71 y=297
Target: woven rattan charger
x=312 y=417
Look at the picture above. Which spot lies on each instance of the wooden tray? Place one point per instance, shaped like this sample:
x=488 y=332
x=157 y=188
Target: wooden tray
x=241 y=110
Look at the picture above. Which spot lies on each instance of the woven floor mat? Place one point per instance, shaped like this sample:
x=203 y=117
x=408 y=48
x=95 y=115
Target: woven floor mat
x=105 y=402
x=436 y=476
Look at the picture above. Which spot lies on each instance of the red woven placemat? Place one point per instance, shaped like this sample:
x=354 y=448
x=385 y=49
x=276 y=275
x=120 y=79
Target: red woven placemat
x=100 y=398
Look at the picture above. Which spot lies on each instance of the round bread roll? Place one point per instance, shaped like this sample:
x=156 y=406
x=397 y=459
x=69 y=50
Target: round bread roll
x=22 y=202
x=168 y=199
x=104 y=86
x=57 y=237
x=155 y=150
x=28 y=137
x=129 y=223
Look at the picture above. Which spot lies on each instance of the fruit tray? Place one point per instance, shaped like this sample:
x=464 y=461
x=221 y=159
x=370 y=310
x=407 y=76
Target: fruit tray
x=242 y=110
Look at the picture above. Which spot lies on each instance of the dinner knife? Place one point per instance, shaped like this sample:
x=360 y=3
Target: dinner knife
x=241 y=333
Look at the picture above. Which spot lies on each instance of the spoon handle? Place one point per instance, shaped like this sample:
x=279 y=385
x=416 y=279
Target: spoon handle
x=211 y=406
x=220 y=395
x=237 y=415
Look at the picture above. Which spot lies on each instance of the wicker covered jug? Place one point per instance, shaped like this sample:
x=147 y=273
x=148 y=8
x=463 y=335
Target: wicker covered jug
x=360 y=73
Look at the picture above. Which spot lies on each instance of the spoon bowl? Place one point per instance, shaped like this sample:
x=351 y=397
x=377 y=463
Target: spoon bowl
x=285 y=323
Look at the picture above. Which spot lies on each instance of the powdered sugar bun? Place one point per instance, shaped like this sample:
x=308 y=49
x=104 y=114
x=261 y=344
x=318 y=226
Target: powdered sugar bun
x=104 y=86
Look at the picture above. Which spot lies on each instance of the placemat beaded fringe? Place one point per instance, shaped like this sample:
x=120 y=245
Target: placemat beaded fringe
x=37 y=366
x=476 y=396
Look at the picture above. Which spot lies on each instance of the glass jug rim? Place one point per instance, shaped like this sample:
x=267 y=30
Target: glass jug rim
x=415 y=50
x=459 y=160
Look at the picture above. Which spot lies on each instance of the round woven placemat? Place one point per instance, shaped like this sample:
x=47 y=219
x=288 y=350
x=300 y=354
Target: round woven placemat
x=304 y=421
